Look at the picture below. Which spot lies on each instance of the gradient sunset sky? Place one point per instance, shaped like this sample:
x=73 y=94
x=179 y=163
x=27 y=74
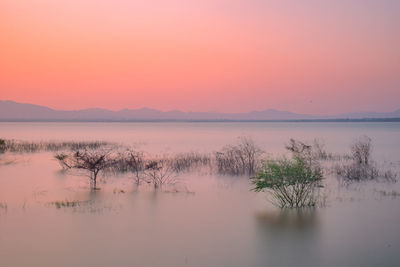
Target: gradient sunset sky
x=320 y=57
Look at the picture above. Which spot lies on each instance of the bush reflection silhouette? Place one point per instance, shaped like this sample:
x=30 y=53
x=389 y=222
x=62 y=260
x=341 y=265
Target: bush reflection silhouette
x=289 y=237
x=288 y=219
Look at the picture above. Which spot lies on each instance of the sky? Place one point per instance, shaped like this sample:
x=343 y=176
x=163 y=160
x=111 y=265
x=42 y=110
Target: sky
x=311 y=56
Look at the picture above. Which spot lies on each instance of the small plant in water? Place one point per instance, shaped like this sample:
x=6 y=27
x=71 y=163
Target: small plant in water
x=292 y=183
x=362 y=167
x=361 y=150
x=2 y=146
x=240 y=159
x=159 y=173
x=92 y=161
x=65 y=204
x=118 y=191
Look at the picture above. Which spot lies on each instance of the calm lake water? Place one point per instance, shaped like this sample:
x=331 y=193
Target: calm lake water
x=215 y=221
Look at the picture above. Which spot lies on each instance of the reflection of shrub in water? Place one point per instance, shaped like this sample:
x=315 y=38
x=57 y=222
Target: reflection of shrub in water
x=3 y=207
x=289 y=219
x=392 y=193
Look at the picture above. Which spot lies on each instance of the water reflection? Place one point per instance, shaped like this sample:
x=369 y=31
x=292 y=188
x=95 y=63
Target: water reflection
x=92 y=201
x=288 y=237
x=3 y=207
x=218 y=225
x=293 y=219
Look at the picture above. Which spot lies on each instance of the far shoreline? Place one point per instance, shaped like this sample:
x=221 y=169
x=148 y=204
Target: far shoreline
x=203 y=121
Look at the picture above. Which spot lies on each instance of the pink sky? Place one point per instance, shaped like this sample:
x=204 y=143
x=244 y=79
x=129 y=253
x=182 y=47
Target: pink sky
x=227 y=56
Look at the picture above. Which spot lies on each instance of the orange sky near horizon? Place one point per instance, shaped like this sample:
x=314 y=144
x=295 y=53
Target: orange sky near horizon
x=226 y=56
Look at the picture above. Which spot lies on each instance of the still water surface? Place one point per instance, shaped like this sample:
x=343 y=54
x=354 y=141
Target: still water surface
x=215 y=221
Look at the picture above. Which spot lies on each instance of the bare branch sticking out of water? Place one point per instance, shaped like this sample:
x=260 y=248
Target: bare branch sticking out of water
x=244 y=158
x=159 y=173
x=362 y=167
x=128 y=161
x=186 y=162
x=91 y=161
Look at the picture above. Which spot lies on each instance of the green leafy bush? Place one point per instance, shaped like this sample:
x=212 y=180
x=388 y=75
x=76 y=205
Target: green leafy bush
x=292 y=183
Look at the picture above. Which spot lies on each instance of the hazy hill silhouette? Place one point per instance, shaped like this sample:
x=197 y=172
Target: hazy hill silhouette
x=13 y=111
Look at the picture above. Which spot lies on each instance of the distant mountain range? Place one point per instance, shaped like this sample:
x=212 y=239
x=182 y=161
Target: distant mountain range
x=13 y=111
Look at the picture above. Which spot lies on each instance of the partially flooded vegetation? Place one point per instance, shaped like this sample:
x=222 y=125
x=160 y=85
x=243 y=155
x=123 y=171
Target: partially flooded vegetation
x=65 y=203
x=129 y=194
x=293 y=183
x=310 y=160
x=360 y=166
x=18 y=146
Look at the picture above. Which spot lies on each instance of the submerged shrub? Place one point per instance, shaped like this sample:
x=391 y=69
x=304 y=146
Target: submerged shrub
x=310 y=152
x=291 y=183
x=127 y=161
x=357 y=172
x=159 y=173
x=65 y=204
x=362 y=167
x=32 y=147
x=2 y=145
x=135 y=163
x=300 y=149
x=62 y=160
x=91 y=161
x=188 y=161
x=240 y=159
x=361 y=150
x=319 y=151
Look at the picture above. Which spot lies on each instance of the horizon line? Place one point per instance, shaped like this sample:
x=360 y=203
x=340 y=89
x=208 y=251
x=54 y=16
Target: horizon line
x=219 y=112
